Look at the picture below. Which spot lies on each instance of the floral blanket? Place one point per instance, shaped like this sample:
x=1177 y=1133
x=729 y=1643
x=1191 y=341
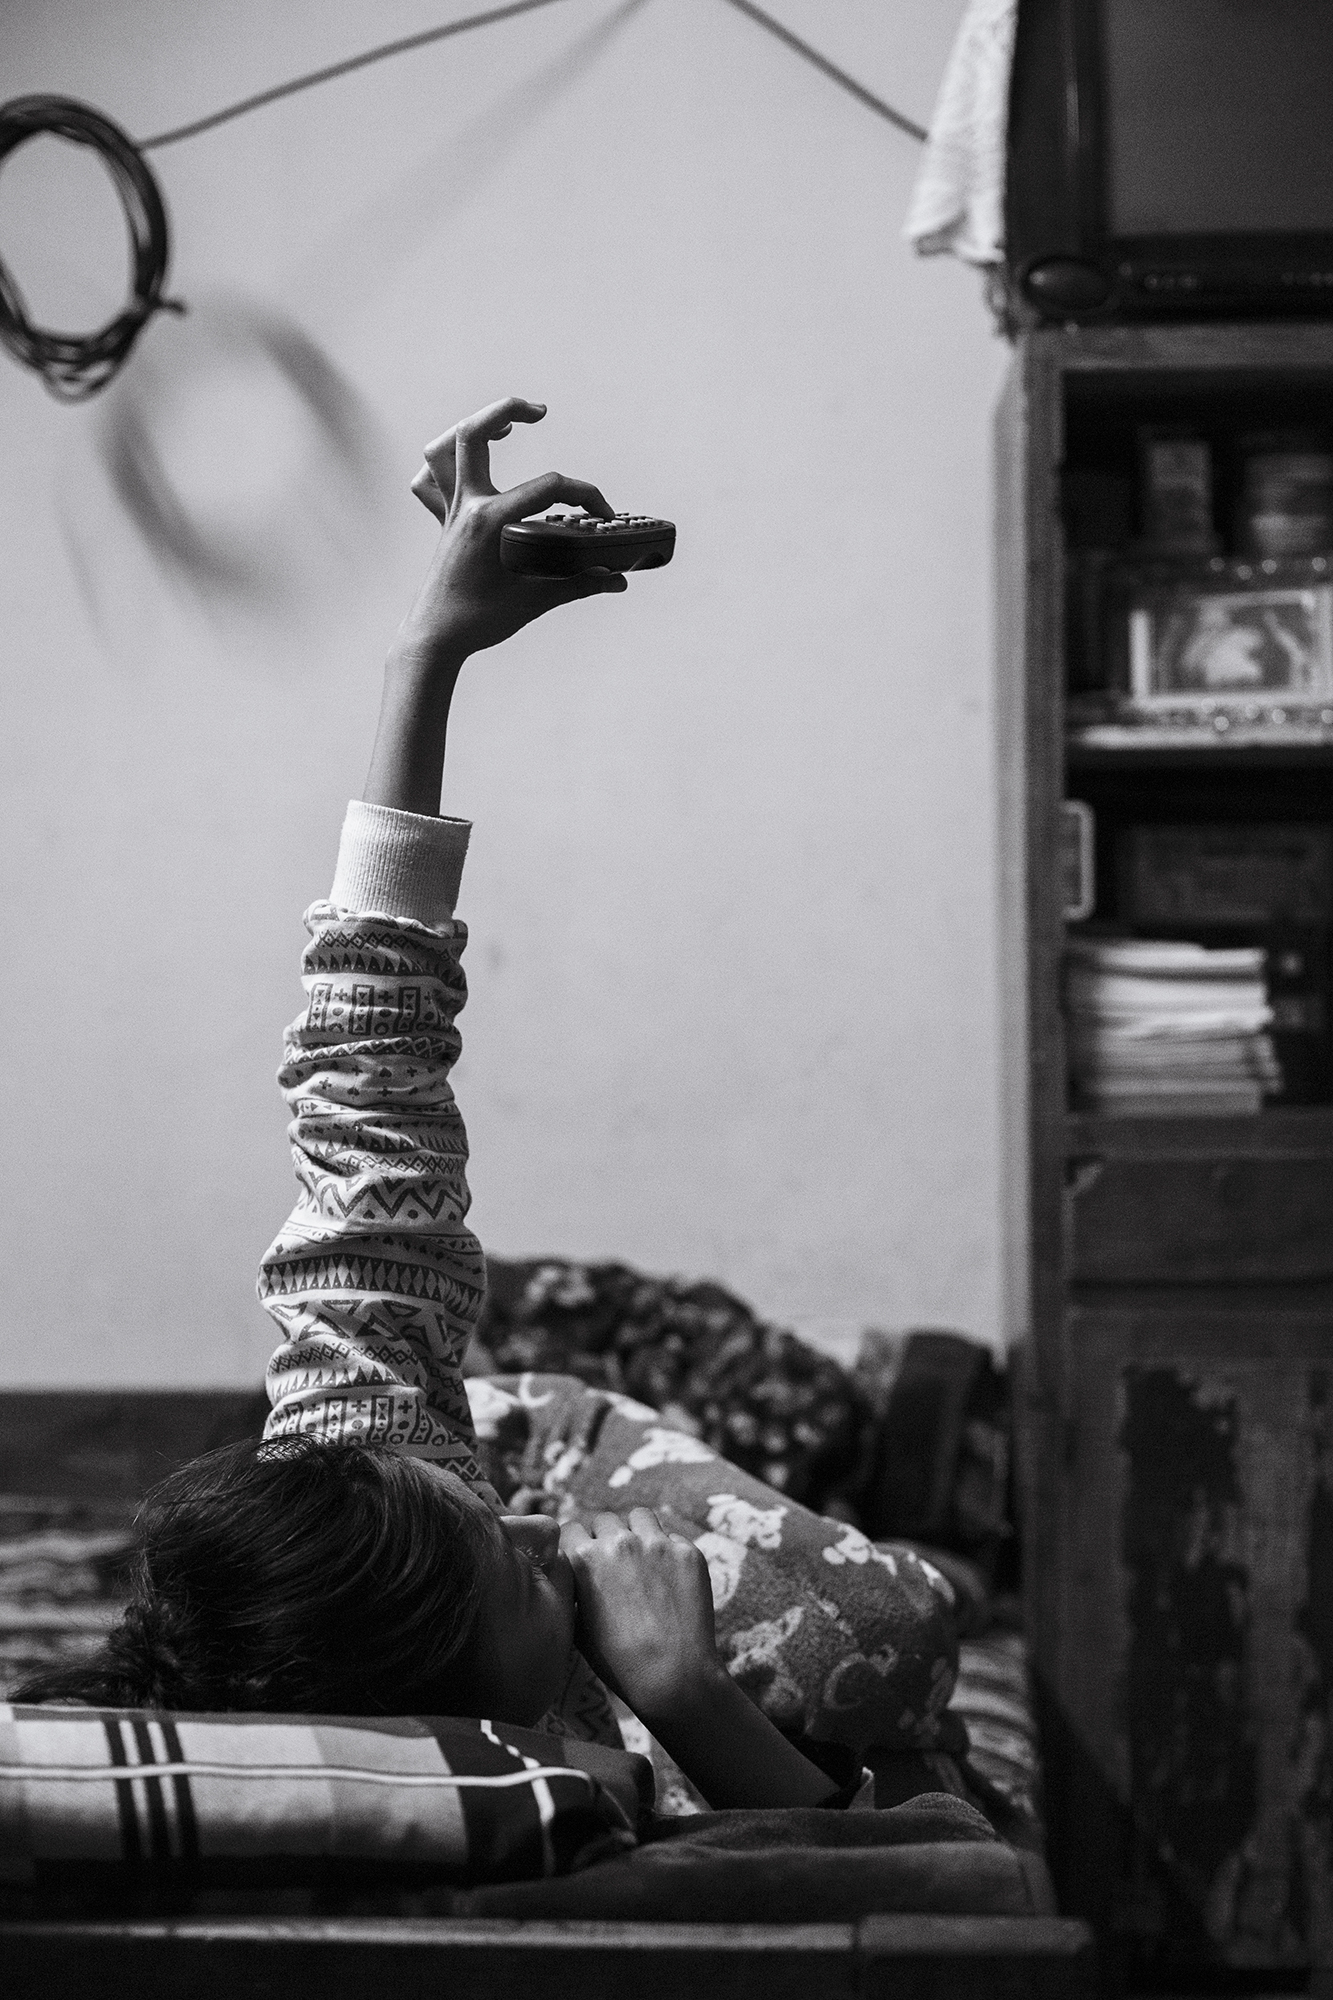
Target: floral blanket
x=836 y=1638
x=760 y=1397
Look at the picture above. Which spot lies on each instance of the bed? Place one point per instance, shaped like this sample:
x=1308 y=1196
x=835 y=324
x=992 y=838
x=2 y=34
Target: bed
x=926 y=1918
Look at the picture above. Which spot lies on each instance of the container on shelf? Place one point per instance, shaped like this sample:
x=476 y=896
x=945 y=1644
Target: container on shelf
x=1286 y=497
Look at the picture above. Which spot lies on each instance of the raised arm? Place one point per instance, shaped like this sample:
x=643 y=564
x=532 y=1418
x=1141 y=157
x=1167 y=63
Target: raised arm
x=468 y=601
x=375 y=1281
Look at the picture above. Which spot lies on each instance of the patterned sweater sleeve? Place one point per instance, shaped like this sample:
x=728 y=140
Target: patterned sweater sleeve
x=375 y=1281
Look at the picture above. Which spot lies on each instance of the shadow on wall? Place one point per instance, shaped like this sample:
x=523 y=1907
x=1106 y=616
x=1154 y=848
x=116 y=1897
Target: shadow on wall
x=249 y=465
x=400 y=221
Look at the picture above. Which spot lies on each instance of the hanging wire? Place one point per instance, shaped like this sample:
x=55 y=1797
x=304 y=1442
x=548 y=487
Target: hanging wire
x=408 y=42
x=314 y=76
x=831 y=70
x=75 y=366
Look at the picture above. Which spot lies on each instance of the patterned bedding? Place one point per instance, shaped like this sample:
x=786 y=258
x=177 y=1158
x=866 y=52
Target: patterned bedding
x=60 y=1567
x=654 y=1391
x=836 y=1638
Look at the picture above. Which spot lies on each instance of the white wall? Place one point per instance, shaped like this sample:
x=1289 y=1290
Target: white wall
x=732 y=882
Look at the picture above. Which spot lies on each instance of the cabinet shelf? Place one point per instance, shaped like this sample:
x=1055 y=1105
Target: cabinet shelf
x=1252 y=1323
x=1117 y=745
x=1287 y=1131
x=1201 y=1200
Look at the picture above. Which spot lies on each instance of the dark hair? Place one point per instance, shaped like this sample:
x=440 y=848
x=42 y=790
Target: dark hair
x=297 y=1576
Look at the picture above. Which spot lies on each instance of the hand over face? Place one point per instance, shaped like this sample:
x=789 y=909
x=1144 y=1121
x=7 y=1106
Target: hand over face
x=645 y=1610
x=469 y=600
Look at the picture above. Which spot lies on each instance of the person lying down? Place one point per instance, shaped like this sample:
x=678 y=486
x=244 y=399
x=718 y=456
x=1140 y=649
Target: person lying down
x=358 y=1559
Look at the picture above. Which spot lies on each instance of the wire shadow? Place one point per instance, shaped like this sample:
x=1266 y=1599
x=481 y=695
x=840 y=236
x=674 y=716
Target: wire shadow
x=399 y=219
x=265 y=560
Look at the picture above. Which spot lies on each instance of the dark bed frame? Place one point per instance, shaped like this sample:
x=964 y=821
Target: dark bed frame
x=411 y=1958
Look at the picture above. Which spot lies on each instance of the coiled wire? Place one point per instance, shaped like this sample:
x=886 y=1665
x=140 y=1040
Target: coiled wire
x=76 y=365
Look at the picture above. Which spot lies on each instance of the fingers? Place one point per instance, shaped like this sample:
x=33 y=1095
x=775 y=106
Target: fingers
x=592 y=583
x=597 y=583
x=427 y=489
x=474 y=436
x=545 y=594
x=641 y=1521
x=439 y=470
x=441 y=454
x=534 y=494
x=434 y=488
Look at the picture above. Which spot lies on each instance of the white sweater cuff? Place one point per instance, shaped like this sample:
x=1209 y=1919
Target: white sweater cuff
x=399 y=864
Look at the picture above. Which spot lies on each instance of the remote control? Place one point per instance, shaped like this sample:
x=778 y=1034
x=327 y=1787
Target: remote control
x=566 y=544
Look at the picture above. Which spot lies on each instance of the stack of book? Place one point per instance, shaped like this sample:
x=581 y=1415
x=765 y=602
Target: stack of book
x=1160 y=1030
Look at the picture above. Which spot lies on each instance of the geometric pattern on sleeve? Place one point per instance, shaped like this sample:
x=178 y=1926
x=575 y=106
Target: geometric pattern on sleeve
x=375 y=1282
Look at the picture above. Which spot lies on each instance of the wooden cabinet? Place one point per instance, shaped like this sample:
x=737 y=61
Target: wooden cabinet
x=1198 y=1202
x=1169 y=1280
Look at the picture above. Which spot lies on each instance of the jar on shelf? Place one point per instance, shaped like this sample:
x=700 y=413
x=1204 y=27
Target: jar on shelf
x=1176 y=493
x=1286 y=495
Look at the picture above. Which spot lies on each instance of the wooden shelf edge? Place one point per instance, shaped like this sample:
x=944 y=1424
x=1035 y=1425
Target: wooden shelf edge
x=1112 y=745
x=1301 y=1130
x=1257 y=1307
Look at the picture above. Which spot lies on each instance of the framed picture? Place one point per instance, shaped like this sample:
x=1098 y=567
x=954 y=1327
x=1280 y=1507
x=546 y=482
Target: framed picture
x=1231 y=648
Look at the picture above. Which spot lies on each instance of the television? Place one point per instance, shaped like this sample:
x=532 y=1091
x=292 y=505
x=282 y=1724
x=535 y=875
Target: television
x=1171 y=159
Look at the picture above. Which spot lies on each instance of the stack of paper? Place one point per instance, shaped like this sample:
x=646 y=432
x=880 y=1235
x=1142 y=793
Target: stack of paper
x=1165 y=1029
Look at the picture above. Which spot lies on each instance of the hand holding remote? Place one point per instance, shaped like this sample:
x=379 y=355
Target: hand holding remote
x=470 y=600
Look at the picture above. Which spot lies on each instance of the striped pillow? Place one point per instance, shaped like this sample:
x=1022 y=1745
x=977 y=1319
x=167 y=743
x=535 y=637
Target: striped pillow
x=123 y=1804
